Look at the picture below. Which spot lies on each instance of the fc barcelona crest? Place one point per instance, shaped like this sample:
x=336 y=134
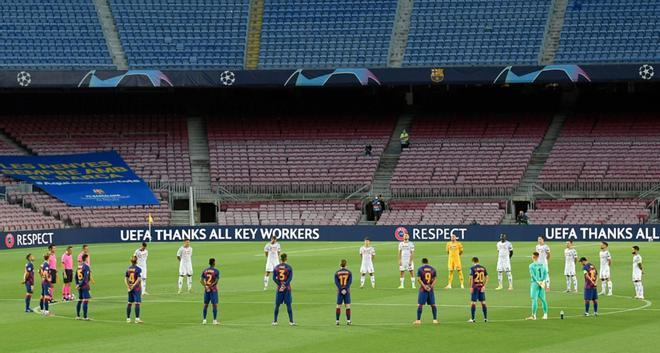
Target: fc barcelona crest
x=437 y=75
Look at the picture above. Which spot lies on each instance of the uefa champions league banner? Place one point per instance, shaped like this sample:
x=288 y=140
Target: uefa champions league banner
x=553 y=233
x=90 y=179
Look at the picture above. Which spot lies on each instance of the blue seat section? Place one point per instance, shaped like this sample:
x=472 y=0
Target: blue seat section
x=476 y=32
x=610 y=31
x=182 y=34
x=62 y=34
x=322 y=33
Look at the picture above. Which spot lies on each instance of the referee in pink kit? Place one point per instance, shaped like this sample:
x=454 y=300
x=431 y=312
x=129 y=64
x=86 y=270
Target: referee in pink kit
x=67 y=278
x=52 y=264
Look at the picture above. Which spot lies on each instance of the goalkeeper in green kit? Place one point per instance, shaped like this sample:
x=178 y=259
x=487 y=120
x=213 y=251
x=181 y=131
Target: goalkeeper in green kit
x=539 y=275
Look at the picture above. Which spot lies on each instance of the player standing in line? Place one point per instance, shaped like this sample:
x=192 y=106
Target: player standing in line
x=282 y=276
x=504 y=254
x=605 y=263
x=570 y=259
x=478 y=282
x=343 y=280
x=28 y=280
x=133 y=281
x=142 y=254
x=538 y=274
x=46 y=286
x=210 y=278
x=184 y=255
x=367 y=254
x=637 y=272
x=67 y=278
x=544 y=258
x=52 y=264
x=272 y=251
x=406 y=254
x=83 y=278
x=590 y=286
x=454 y=252
x=85 y=251
x=426 y=275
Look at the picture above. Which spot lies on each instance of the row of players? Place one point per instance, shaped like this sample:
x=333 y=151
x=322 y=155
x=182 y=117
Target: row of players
x=137 y=274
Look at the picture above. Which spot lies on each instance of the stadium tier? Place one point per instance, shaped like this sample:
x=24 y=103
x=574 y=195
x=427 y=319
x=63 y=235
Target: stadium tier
x=452 y=32
x=486 y=212
x=156 y=148
x=319 y=33
x=316 y=212
x=15 y=217
x=589 y=212
x=51 y=35
x=601 y=31
x=38 y=204
x=467 y=155
x=296 y=154
x=179 y=34
x=605 y=152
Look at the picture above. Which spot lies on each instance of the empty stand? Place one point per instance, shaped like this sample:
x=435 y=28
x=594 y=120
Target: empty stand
x=156 y=148
x=612 y=151
x=16 y=217
x=51 y=35
x=179 y=34
x=317 y=212
x=467 y=155
x=486 y=212
x=601 y=31
x=476 y=32
x=318 y=33
x=296 y=154
x=589 y=212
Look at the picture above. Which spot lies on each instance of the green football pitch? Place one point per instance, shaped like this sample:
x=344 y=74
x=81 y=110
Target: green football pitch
x=382 y=317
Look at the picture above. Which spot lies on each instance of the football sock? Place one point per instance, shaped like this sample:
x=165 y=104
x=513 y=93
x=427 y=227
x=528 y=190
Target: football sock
x=499 y=279
x=603 y=285
x=641 y=289
x=85 y=305
x=568 y=282
x=128 y=311
x=180 y=282
x=46 y=303
x=189 y=282
x=609 y=286
x=460 y=276
x=401 y=280
x=373 y=281
x=289 y=311
x=215 y=312
x=27 y=301
x=265 y=281
x=473 y=310
x=78 y=308
x=41 y=304
x=412 y=281
x=434 y=310
x=348 y=314
x=144 y=285
x=362 y=280
x=337 y=313
x=595 y=306
x=586 y=306
x=484 y=308
x=205 y=311
x=419 y=312
x=276 y=313
x=509 y=276
x=575 y=282
x=137 y=310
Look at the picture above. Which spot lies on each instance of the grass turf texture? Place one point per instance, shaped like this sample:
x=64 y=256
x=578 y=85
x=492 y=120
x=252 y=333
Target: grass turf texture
x=382 y=317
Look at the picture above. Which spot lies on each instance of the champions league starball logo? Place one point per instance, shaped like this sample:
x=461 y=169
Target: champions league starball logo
x=9 y=241
x=400 y=232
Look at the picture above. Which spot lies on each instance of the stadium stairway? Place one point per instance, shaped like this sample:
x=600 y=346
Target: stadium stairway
x=553 y=31
x=198 y=146
x=4 y=137
x=540 y=155
x=400 y=31
x=180 y=218
x=110 y=34
x=253 y=45
x=390 y=158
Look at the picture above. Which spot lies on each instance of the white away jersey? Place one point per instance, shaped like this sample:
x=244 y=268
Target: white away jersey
x=142 y=258
x=605 y=258
x=273 y=251
x=503 y=249
x=636 y=271
x=543 y=251
x=406 y=248
x=185 y=254
x=570 y=256
x=367 y=254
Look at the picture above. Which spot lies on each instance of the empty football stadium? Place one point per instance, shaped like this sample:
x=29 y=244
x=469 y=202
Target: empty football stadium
x=478 y=131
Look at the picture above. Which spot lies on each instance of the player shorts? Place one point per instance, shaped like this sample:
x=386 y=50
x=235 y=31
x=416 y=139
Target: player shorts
x=143 y=272
x=367 y=268
x=83 y=293
x=135 y=296
x=283 y=297
x=68 y=276
x=404 y=267
x=28 y=288
x=454 y=264
x=503 y=265
x=45 y=289
x=425 y=297
x=270 y=266
x=590 y=294
x=604 y=272
x=478 y=296
x=637 y=276
x=185 y=270
x=569 y=270
x=53 y=276
x=211 y=297
x=343 y=298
